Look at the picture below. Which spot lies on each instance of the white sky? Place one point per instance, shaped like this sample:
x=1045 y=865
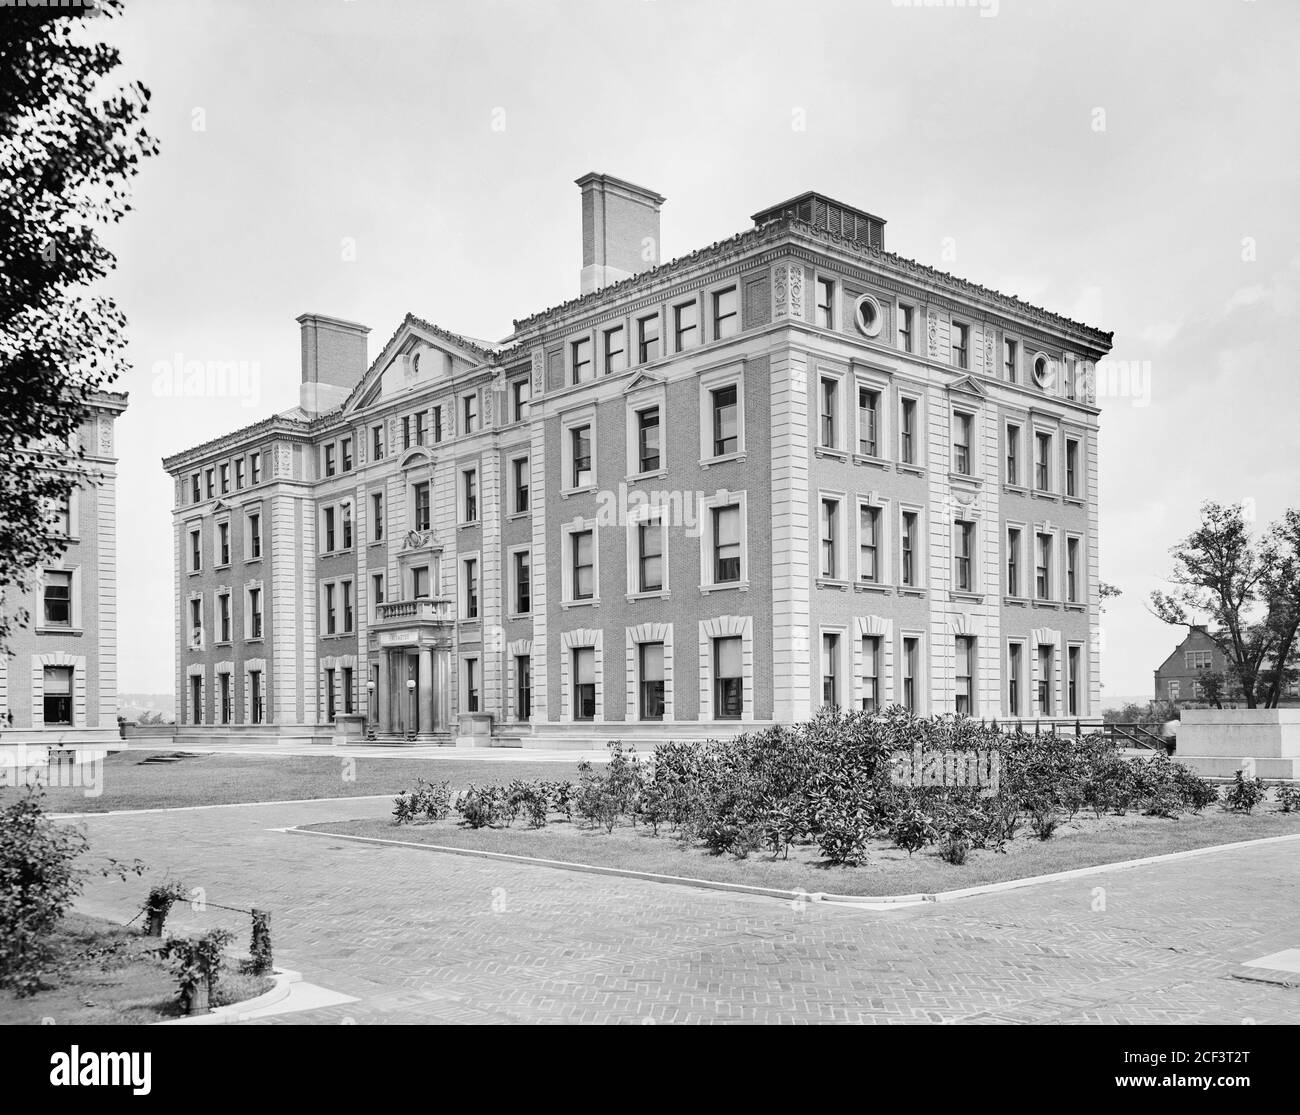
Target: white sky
x=976 y=136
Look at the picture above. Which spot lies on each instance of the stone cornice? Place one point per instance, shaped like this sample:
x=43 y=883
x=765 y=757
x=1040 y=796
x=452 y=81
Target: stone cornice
x=277 y=425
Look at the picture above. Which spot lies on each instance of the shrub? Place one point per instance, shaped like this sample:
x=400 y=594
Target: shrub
x=844 y=835
x=1242 y=796
x=1288 y=797
x=654 y=806
x=1195 y=791
x=560 y=795
x=912 y=830
x=1043 y=819
x=430 y=800
x=198 y=962
x=38 y=882
x=531 y=798
x=955 y=848
x=158 y=905
x=482 y=807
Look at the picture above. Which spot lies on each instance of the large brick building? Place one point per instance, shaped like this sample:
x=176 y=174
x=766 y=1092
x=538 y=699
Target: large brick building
x=1181 y=677
x=787 y=469
x=58 y=681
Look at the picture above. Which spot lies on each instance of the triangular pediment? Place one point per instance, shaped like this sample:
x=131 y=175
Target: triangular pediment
x=968 y=385
x=642 y=380
x=419 y=354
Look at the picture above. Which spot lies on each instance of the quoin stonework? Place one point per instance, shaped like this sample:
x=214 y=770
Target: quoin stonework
x=789 y=469
x=58 y=681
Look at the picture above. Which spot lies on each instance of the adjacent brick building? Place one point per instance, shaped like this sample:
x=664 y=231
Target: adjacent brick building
x=787 y=469
x=58 y=682
x=1180 y=677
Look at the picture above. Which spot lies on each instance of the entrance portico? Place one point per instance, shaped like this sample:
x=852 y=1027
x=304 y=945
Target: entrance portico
x=410 y=661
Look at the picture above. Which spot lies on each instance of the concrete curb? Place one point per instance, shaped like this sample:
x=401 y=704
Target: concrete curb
x=863 y=902
x=238 y=1012
x=218 y=805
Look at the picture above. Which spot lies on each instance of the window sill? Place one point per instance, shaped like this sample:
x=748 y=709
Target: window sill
x=1073 y=501
x=1075 y=608
x=469 y=525
x=585 y=490
x=832 y=582
x=593 y=603
x=656 y=594
x=830 y=453
x=516 y=516
x=919 y=593
x=252 y=560
x=222 y=643
x=1015 y=489
x=255 y=639
x=875 y=462
x=914 y=470
x=333 y=635
x=1047 y=496
x=967 y=478
x=729 y=586
x=966 y=597
x=1016 y=601
x=58 y=630
x=725 y=459
x=1052 y=604
x=871 y=586
x=336 y=553
x=519 y=615
x=220 y=566
x=642 y=477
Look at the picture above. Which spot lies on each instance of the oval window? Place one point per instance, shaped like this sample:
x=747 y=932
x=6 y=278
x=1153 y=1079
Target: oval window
x=1043 y=370
x=869 y=316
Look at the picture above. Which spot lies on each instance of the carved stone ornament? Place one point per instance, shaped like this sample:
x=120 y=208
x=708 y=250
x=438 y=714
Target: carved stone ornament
x=539 y=371
x=283 y=460
x=418 y=540
x=932 y=334
x=106 y=436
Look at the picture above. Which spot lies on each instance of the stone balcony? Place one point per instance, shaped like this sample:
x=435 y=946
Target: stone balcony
x=415 y=611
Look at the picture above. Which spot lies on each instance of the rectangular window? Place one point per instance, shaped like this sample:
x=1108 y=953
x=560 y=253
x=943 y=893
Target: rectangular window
x=1013 y=561
x=57 y=592
x=650 y=555
x=224 y=682
x=239 y=474
x=329 y=460
x=196 y=623
x=647 y=334
x=828 y=412
x=254 y=613
x=907 y=432
x=331 y=617
x=345 y=454
x=1071 y=467
x=437 y=425
x=1072 y=681
x=830 y=537
x=584 y=683
x=961 y=439
x=377 y=592
x=376 y=516
x=223 y=543
x=1043 y=568
x=583 y=543
x=196 y=699
x=348 y=620
x=686 y=325
x=348 y=699
x=583 y=368
x=615 y=350
x=965 y=675
x=728 y=679
x=254 y=527
x=909 y=674
x=1015 y=670
x=377 y=443
x=57 y=699
x=422 y=514
x=647 y=440
x=652 y=681
x=826 y=303
x=329 y=530
x=523 y=687
x=471 y=685
x=520 y=468
x=196 y=490
x=726 y=313
x=1042 y=462
x=871 y=673
x=223 y=612
x=726 y=422
x=905 y=318
x=345 y=513
x=1046 y=654
x=420 y=582
x=830 y=670
x=960 y=347
x=521 y=393
x=1072 y=570
x=255 y=711
x=421 y=426
x=330 y=709
x=469 y=413
x=869 y=422
x=1009 y=360
x=964 y=549
x=1013 y=454
x=869 y=544
x=583 y=476
x=255 y=467
x=726 y=544
x=471 y=588
x=196 y=550
x=406 y=432
x=469 y=485
x=909 y=548
x=225 y=478
x=523 y=583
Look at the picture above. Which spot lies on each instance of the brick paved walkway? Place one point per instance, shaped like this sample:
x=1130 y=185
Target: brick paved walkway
x=426 y=937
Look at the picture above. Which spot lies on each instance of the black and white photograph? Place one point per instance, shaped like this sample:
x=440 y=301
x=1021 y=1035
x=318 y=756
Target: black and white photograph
x=653 y=513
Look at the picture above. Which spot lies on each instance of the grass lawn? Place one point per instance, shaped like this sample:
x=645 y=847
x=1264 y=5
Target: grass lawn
x=106 y=974
x=1085 y=842
x=130 y=782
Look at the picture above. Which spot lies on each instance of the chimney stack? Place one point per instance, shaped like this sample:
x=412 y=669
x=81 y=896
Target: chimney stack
x=333 y=361
x=620 y=230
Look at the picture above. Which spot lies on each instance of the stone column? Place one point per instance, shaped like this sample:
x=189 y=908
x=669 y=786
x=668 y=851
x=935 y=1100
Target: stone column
x=441 y=689
x=426 y=690
x=380 y=713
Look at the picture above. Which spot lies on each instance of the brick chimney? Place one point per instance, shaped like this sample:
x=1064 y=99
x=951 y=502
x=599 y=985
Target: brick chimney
x=333 y=360
x=620 y=230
